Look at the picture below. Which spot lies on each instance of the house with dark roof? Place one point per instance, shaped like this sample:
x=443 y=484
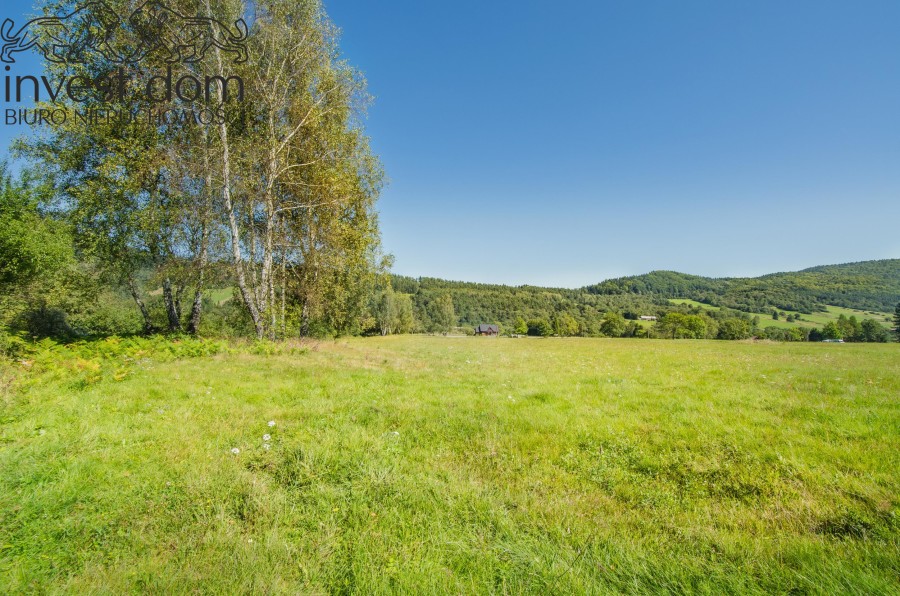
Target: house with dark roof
x=487 y=330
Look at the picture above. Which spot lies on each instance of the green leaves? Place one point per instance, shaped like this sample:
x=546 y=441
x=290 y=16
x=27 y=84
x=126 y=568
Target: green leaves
x=31 y=245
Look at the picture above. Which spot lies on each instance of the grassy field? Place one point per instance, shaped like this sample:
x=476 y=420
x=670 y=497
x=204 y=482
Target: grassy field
x=454 y=465
x=818 y=319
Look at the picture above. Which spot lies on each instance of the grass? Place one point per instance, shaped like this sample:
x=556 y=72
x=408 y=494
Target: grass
x=220 y=296
x=817 y=319
x=453 y=465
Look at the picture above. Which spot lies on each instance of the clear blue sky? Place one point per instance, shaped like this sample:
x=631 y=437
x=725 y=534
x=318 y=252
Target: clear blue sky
x=561 y=143
x=565 y=142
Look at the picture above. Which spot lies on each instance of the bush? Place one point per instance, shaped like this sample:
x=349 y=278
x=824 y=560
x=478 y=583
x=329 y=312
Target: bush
x=539 y=328
x=110 y=314
x=229 y=319
x=734 y=329
x=779 y=334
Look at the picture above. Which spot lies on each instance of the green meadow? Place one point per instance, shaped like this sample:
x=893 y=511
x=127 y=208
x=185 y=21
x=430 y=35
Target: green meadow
x=817 y=319
x=413 y=464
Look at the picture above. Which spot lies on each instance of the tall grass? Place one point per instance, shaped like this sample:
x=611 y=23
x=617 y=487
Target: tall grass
x=444 y=465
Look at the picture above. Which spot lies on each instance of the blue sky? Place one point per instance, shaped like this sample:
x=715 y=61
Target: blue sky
x=563 y=143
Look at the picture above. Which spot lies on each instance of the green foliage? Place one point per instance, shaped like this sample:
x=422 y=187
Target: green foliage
x=832 y=330
x=782 y=334
x=869 y=285
x=872 y=331
x=734 y=328
x=181 y=199
x=612 y=325
x=32 y=245
x=539 y=328
x=84 y=363
x=676 y=325
x=441 y=312
x=35 y=254
x=653 y=294
x=109 y=313
x=12 y=346
x=394 y=312
x=475 y=304
x=521 y=327
x=849 y=327
x=565 y=325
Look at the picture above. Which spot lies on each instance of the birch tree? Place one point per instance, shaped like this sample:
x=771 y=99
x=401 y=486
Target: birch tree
x=283 y=187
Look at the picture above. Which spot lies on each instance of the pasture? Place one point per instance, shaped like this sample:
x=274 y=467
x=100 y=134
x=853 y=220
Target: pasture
x=817 y=319
x=416 y=464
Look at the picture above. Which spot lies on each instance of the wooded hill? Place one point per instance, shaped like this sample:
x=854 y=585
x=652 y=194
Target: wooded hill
x=475 y=303
x=869 y=285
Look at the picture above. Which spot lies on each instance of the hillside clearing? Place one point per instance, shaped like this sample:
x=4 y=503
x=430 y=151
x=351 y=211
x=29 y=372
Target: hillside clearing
x=810 y=321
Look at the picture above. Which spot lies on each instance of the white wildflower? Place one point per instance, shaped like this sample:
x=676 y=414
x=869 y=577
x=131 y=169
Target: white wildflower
x=235 y=450
x=266 y=446
x=271 y=423
x=267 y=437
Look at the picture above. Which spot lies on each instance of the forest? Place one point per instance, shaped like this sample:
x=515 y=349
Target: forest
x=615 y=308
x=869 y=285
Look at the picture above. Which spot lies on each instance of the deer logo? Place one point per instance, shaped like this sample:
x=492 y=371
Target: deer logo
x=68 y=38
x=181 y=38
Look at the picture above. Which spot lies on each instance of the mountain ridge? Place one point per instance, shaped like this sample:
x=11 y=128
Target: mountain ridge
x=864 y=285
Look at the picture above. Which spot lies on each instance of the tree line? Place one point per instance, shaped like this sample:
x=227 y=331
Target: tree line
x=434 y=305
x=49 y=286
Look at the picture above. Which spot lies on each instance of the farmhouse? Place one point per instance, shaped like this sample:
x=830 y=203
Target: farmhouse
x=647 y=318
x=487 y=330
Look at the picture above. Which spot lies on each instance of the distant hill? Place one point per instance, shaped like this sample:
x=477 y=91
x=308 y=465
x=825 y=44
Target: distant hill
x=868 y=285
x=476 y=303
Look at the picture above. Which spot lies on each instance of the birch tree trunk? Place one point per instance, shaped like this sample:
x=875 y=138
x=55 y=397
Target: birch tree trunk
x=149 y=327
x=170 y=300
x=237 y=260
